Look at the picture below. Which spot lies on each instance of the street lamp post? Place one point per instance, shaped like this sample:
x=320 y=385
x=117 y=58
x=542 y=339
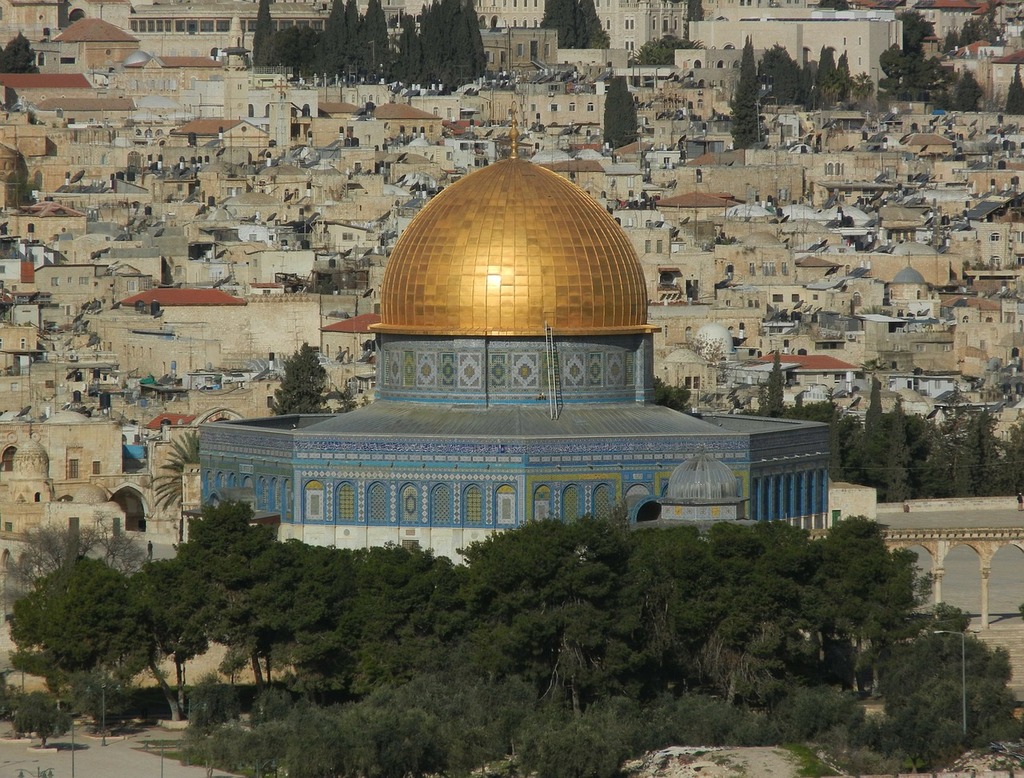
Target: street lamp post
x=963 y=670
x=103 y=714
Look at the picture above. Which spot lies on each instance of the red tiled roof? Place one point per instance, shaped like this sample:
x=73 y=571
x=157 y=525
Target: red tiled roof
x=45 y=81
x=175 y=420
x=172 y=297
x=811 y=361
x=48 y=208
x=329 y=108
x=86 y=30
x=206 y=126
x=86 y=104
x=814 y=262
x=1016 y=58
x=360 y=324
x=399 y=111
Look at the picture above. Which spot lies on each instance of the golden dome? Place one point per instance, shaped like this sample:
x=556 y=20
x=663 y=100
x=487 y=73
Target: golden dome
x=506 y=250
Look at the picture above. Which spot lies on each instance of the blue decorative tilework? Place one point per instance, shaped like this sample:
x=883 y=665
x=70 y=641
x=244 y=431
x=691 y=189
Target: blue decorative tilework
x=409 y=368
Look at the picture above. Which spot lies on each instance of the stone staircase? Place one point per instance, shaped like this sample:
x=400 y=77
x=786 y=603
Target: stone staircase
x=1010 y=637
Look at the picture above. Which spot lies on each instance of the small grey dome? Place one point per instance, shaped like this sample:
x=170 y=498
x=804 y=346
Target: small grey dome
x=909 y=276
x=31 y=460
x=139 y=57
x=912 y=248
x=90 y=494
x=702 y=478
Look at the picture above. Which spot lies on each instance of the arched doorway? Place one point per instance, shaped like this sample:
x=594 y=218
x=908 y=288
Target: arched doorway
x=1006 y=585
x=134 y=508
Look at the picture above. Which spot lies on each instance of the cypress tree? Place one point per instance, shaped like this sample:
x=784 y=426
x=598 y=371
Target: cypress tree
x=694 y=11
x=783 y=73
x=409 y=67
x=561 y=15
x=897 y=485
x=329 y=57
x=376 y=43
x=350 y=43
x=589 y=32
x=842 y=77
x=619 y=114
x=824 y=81
x=1015 y=94
x=746 y=124
x=967 y=92
x=773 y=401
x=263 y=35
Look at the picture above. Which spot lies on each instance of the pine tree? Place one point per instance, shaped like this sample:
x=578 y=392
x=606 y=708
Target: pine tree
x=746 y=123
x=1015 y=95
x=619 y=114
x=694 y=11
x=18 y=57
x=780 y=70
x=350 y=43
x=304 y=386
x=967 y=92
x=262 y=37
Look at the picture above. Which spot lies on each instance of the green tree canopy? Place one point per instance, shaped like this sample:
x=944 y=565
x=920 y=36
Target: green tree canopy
x=263 y=36
x=967 y=92
x=18 y=57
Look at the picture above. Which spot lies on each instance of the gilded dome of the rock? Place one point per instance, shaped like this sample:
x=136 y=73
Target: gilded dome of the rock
x=507 y=250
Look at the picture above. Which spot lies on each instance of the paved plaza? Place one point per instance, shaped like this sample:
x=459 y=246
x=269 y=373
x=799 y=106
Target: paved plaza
x=122 y=757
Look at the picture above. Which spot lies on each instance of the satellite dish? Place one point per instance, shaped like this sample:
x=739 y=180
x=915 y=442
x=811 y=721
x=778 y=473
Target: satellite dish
x=77 y=176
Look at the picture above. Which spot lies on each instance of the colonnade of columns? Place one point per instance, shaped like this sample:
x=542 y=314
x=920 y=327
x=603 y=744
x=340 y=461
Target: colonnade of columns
x=790 y=496
x=986 y=549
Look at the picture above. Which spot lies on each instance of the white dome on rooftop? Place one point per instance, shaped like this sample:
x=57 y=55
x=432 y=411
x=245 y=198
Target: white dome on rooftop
x=713 y=341
x=702 y=478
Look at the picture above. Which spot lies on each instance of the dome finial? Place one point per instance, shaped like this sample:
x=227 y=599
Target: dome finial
x=513 y=135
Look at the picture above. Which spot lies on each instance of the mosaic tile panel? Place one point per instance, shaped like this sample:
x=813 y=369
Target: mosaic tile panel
x=470 y=371
x=615 y=370
x=408 y=368
x=526 y=371
x=426 y=369
x=595 y=369
x=572 y=370
x=497 y=371
x=448 y=370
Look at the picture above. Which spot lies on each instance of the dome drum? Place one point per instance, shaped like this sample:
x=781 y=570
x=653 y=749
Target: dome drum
x=479 y=370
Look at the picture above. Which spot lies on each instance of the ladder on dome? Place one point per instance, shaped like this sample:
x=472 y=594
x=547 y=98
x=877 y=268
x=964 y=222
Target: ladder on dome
x=554 y=379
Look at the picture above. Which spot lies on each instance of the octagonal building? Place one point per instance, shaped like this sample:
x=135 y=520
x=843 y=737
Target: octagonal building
x=514 y=383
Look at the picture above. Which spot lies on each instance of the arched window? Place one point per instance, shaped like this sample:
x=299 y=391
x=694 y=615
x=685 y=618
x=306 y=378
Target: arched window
x=505 y=504
x=441 y=504
x=346 y=502
x=542 y=503
x=377 y=502
x=314 y=500
x=473 y=505
x=602 y=501
x=7 y=459
x=286 y=496
x=272 y=494
x=410 y=503
x=261 y=492
x=570 y=503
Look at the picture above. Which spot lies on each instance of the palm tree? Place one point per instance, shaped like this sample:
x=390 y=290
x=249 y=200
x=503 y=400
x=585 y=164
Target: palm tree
x=184 y=452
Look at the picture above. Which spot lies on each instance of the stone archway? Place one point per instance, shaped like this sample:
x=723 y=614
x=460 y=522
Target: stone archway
x=131 y=503
x=1006 y=583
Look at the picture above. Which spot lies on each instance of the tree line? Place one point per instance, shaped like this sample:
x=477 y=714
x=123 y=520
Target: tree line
x=905 y=456
x=558 y=648
x=443 y=47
